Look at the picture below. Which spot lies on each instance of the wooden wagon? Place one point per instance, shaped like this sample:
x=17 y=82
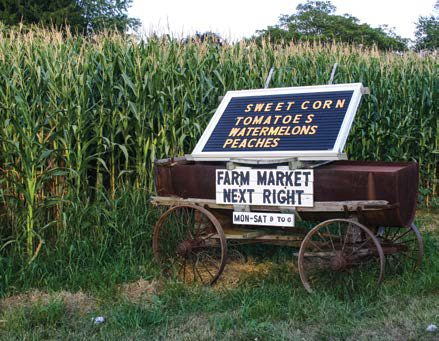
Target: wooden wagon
x=363 y=214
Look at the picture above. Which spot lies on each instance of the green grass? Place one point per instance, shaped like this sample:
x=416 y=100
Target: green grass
x=268 y=305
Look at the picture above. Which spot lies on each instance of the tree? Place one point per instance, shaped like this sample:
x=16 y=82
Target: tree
x=209 y=37
x=100 y=14
x=83 y=16
x=427 y=33
x=45 y=12
x=315 y=20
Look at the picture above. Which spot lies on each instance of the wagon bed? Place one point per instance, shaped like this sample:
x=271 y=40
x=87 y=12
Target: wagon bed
x=340 y=181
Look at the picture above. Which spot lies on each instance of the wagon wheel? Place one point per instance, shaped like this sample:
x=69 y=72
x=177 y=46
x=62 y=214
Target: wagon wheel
x=403 y=247
x=190 y=245
x=342 y=254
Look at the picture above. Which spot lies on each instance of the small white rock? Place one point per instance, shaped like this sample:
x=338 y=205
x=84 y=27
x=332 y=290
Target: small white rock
x=431 y=328
x=98 y=320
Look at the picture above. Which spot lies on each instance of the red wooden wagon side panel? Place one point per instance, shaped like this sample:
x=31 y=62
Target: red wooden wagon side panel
x=395 y=182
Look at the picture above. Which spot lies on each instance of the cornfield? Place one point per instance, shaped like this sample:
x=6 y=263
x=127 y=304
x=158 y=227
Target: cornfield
x=82 y=118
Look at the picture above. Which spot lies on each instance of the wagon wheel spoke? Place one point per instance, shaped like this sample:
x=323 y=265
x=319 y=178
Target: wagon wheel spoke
x=330 y=238
x=394 y=262
x=194 y=271
x=350 y=258
x=206 y=265
x=403 y=248
x=407 y=256
x=184 y=269
x=356 y=249
x=395 y=233
x=340 y=236
x=197 y=271
x=316 y=246
x=346 y=236
x=402 y=235
x=408 y=241
x=213 y=261
x=207 y=269
x=187 y=221
x=181 y=266
x=326 y=242
x=208 y=236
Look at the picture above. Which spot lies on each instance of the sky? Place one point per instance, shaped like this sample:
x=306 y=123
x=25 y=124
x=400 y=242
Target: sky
x=235 y=19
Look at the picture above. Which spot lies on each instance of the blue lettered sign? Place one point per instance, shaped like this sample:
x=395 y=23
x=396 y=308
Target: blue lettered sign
x=309 y=123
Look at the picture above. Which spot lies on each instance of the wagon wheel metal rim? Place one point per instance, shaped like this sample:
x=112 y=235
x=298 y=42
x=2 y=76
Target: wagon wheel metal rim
x=199 y=251
x=408 y=244
x=339 y=251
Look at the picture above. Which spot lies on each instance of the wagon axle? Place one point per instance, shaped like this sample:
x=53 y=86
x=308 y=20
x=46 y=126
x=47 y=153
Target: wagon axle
x=189 y=246
x=341 y=262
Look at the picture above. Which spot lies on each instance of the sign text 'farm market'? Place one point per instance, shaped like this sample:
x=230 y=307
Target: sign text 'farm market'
x=271 y=187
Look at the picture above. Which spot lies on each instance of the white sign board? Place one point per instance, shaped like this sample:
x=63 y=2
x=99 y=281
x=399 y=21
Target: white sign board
x=262 y=218
x=268 y=187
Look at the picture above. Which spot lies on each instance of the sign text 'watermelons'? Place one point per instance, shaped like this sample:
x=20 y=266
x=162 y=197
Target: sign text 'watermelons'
x=303 y=122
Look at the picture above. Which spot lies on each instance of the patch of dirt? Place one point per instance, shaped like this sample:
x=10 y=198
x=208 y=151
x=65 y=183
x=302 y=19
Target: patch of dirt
x=74 y=302
x=136 y=292
x=140 y=291
x=236 y=271
x=193 y=328
x=429 y=220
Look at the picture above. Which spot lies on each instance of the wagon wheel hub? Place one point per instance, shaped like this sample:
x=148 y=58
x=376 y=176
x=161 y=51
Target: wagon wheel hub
x=338 y=262
x=185 y=248
x=188 y=246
